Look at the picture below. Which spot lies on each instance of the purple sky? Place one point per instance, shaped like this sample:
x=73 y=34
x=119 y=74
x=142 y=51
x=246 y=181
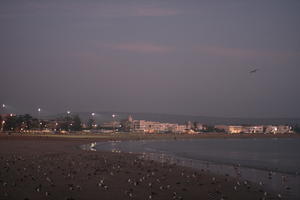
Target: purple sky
x=183 y=57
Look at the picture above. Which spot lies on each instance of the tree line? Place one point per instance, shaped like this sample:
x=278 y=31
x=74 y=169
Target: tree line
x=27 y=122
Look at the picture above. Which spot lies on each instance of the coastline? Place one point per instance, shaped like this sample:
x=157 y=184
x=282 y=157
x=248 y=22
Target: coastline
x=141 y=136
x=36 y=167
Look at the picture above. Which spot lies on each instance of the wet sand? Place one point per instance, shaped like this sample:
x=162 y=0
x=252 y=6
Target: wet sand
x=56 y=168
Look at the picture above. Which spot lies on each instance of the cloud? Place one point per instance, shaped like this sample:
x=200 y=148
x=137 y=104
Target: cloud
x=142 y=48
x=244 y=53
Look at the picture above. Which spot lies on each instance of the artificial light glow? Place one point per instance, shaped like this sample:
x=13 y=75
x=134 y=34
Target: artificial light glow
x=68 y=112
x=3 y=105
x=93 y=114
x=39 y=109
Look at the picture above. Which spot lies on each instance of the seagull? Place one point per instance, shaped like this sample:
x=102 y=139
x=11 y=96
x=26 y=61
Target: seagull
x=253 y=71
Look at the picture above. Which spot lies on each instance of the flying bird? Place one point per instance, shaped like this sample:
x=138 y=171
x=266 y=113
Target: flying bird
x=253 y=71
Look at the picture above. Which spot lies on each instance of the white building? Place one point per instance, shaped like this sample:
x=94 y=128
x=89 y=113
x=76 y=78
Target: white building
x=235 y=129
x=253 y=129
x=156 y=127
x=278 y=129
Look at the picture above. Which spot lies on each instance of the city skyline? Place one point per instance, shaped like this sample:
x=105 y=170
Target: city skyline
x=173 y=57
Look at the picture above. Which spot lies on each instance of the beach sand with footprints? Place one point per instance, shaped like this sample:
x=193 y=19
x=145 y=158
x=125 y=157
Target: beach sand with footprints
x=56 y=168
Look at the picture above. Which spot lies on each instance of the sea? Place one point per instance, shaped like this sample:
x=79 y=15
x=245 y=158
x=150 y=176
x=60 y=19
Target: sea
x=273 y=163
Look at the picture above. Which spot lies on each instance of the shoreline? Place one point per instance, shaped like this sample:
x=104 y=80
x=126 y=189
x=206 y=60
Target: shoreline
x=141 y=136
x=87 y=147
x=271 y=177
x=55 y=168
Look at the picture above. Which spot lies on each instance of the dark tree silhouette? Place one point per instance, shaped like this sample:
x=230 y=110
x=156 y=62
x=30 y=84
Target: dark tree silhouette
x=90 y=123
x=11 y=123
x=76 y=125
x=296 y=128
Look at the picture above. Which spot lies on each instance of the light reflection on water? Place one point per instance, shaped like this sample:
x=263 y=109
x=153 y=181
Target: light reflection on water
x=275 y=163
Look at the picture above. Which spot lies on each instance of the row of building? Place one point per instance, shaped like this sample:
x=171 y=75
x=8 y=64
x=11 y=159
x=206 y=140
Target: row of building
x=131 y=125
x=267 y=129
x=30 y=124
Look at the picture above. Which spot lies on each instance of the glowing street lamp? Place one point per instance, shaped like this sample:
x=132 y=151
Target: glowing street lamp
x=93 y=120
x=113 y=116
x=39 y=112
x=3 y=107
x=69 y=120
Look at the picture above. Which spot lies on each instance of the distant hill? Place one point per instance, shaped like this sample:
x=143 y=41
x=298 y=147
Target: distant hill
x=181 y=119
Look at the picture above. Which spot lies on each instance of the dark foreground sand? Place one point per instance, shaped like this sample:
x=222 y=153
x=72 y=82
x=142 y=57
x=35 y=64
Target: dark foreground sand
x=55 y=168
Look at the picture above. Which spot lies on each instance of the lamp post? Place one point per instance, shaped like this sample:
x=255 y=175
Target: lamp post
x=3 y=107
x=39 y=116
x=93 y=120
x=68 y=120
x=56 y=124
x=113 y=116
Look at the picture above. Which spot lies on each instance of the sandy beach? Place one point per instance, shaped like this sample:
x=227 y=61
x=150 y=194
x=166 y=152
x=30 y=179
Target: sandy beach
x=33 y=167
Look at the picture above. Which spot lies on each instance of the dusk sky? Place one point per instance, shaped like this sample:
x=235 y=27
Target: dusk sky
x=175 y=57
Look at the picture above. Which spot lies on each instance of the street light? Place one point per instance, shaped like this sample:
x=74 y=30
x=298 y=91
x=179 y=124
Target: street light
x=3 y=107
x=93 y=120
x=39 y=113
x=113 y=116
x=68 y=120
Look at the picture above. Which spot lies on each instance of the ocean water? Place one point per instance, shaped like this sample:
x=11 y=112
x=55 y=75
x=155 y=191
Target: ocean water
x=275 y=162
